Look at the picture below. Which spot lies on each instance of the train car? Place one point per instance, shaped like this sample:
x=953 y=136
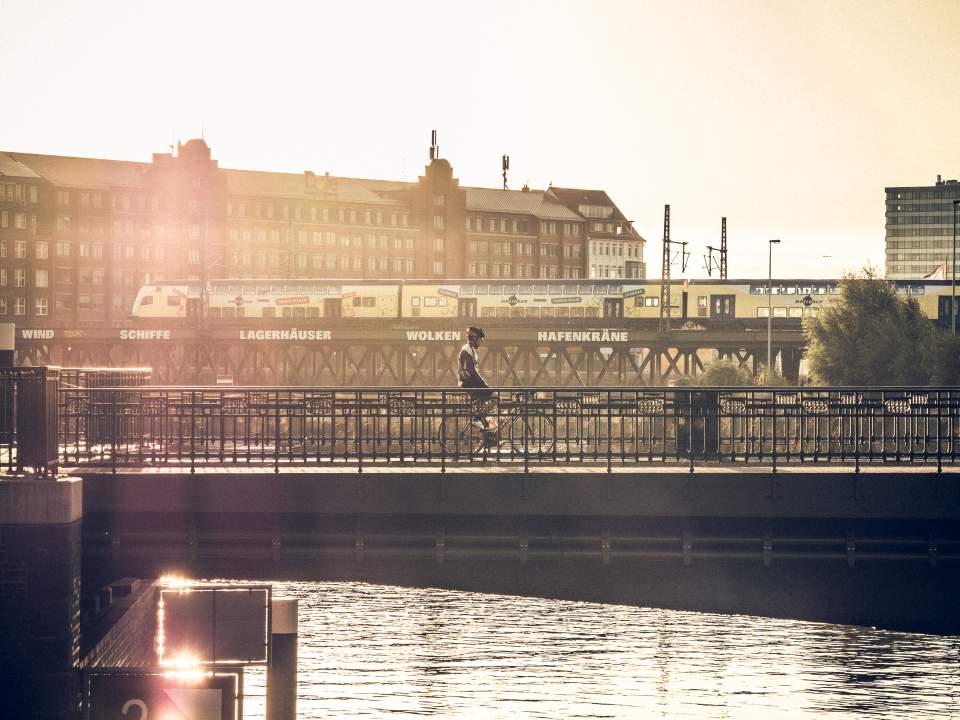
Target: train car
x=720 y=304
x=229 y=299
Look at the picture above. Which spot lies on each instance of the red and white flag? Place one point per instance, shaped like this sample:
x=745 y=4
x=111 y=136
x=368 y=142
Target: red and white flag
x=939 y=274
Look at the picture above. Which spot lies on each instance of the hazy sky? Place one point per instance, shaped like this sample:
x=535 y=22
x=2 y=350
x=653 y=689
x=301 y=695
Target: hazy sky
x=787 y=117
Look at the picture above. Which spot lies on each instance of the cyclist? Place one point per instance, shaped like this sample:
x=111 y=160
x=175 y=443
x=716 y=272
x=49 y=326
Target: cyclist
x=471 y=378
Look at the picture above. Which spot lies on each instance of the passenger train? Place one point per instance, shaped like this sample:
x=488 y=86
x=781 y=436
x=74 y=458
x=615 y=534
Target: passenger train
x=721 y=304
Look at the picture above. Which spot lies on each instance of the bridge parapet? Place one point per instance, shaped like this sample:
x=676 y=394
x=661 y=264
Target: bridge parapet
x=282 y=427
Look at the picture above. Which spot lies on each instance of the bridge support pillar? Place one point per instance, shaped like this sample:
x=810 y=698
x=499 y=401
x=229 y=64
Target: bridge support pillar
x=40 y=599
x=282 y=673
x=790 y=364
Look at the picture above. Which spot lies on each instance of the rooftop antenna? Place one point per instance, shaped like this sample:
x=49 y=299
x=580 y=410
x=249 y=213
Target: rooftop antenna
x=434 y=148
x=506 y=166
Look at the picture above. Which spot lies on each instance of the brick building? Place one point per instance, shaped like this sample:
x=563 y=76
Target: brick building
x=79 y=236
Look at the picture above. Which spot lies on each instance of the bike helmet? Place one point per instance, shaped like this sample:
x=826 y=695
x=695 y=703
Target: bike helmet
x=476 y=332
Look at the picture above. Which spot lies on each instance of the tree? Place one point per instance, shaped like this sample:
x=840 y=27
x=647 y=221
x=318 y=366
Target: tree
x=719 y=373
x=869 y=335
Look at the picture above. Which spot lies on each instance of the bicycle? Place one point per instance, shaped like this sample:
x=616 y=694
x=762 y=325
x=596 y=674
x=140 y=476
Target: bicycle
x=529 y=430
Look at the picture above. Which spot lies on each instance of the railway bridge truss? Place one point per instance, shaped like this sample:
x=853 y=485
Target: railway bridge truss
x=345 y=355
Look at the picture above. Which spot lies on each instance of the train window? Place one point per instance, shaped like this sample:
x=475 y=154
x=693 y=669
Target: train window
x=811 y=312
x=146 y=300
x=193 y=291
x=333 y=290
x=509 y=289
x=775 y=290
x=429 y=302
x=569 y=289
x=320 y=290
x=539 y=289
x=701 y=301
x=173 y=299
x=834 y=291
x=917 y=290
x=496 y=289
x=414 y=302
x=651 y=302
x=616 y=289
x=220 y=289
x=466 y=289
x=576 y=312
x=546 y=312
x=487 y=312
x=556 y=290
x=819 y=290
x=311 y=312
x=638 y=300
x=356 y=301
x=240 y=312
x=214 y=312
x=532 y=312
x=795 y=312
x=276 y=290
x=443 y=301
x=249 y=290
x=790 y=290
x=372 y=302
x=592 y=312
x=780 y=312
x=805 y=291
x=585 y=290
x=503 y=312
x=562 y=312
x=269 y=312
x=763 y=312
x=298 y=311
x=525 y=290
x=600 y=290
x=481 y=290
x=516 y=312
x=293 y=289
x=755 y=290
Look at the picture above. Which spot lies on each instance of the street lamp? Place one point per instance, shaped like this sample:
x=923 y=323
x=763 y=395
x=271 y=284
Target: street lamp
x=953 y=274
x=770 y=307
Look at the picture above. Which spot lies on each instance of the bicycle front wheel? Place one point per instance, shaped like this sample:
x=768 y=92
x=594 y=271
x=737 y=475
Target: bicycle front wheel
x=459 y=436
x=532 y=434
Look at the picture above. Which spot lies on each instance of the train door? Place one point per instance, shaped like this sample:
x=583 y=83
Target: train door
x=467 y=307
x=193 y=307
x=331 y=307
x=943 y=309
x=722 y=307
x=613 y=307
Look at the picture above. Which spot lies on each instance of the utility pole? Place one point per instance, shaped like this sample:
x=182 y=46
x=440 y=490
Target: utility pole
x=665 y=271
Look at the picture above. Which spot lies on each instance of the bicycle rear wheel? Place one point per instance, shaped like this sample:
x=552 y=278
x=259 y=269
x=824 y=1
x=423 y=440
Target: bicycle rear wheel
x=532 y=434
x=459 y=436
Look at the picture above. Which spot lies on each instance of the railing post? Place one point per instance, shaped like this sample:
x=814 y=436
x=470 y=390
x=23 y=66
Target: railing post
x=37 y=419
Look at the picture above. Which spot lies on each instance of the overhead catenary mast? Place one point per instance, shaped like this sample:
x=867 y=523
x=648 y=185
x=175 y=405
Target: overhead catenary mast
x=506 y=166
x=665 y=272
x=723 y=254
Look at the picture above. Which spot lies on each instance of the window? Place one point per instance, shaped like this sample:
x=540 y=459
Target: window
x=438 y=199
x=43 y=279
x=42 y=306
x=438 y=244
x=43 y=250
x=20 y=306
x=438 y=221
x=194 y=257
x=63 y=197
x=3 y=277
x=4 y=219
x=194 y=232
x=3 y=306
x=409 y=264
x=409 y=243
x=20 y=221
x=157 y=255
x=438 y=267
x=241 y=209
x=20 y=249
x=33 y=193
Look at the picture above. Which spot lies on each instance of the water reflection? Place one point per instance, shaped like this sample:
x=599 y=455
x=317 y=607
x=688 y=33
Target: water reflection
x=384 y=652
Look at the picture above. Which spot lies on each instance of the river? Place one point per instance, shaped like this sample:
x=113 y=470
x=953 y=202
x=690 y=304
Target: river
x=373 y=652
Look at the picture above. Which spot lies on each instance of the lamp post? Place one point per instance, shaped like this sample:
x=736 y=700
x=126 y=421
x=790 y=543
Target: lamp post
x=770 y=308
x=953 y=274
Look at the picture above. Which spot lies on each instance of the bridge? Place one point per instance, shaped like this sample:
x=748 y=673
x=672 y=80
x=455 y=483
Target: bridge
x=373 y=353
x=829 y=505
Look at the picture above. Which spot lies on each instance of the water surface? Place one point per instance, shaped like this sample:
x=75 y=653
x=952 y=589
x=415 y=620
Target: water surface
x=375 y=652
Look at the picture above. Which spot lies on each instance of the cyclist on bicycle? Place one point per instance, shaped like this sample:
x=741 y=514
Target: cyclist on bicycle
x=470 y=377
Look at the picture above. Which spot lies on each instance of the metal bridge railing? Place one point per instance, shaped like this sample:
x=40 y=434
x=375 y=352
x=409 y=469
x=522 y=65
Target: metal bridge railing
x=283 y=427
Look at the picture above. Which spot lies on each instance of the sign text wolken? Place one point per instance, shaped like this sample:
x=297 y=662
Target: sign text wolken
x=433 y=334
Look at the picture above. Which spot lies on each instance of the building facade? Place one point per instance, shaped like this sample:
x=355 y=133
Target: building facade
x=80 y=236
x=919 y=229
